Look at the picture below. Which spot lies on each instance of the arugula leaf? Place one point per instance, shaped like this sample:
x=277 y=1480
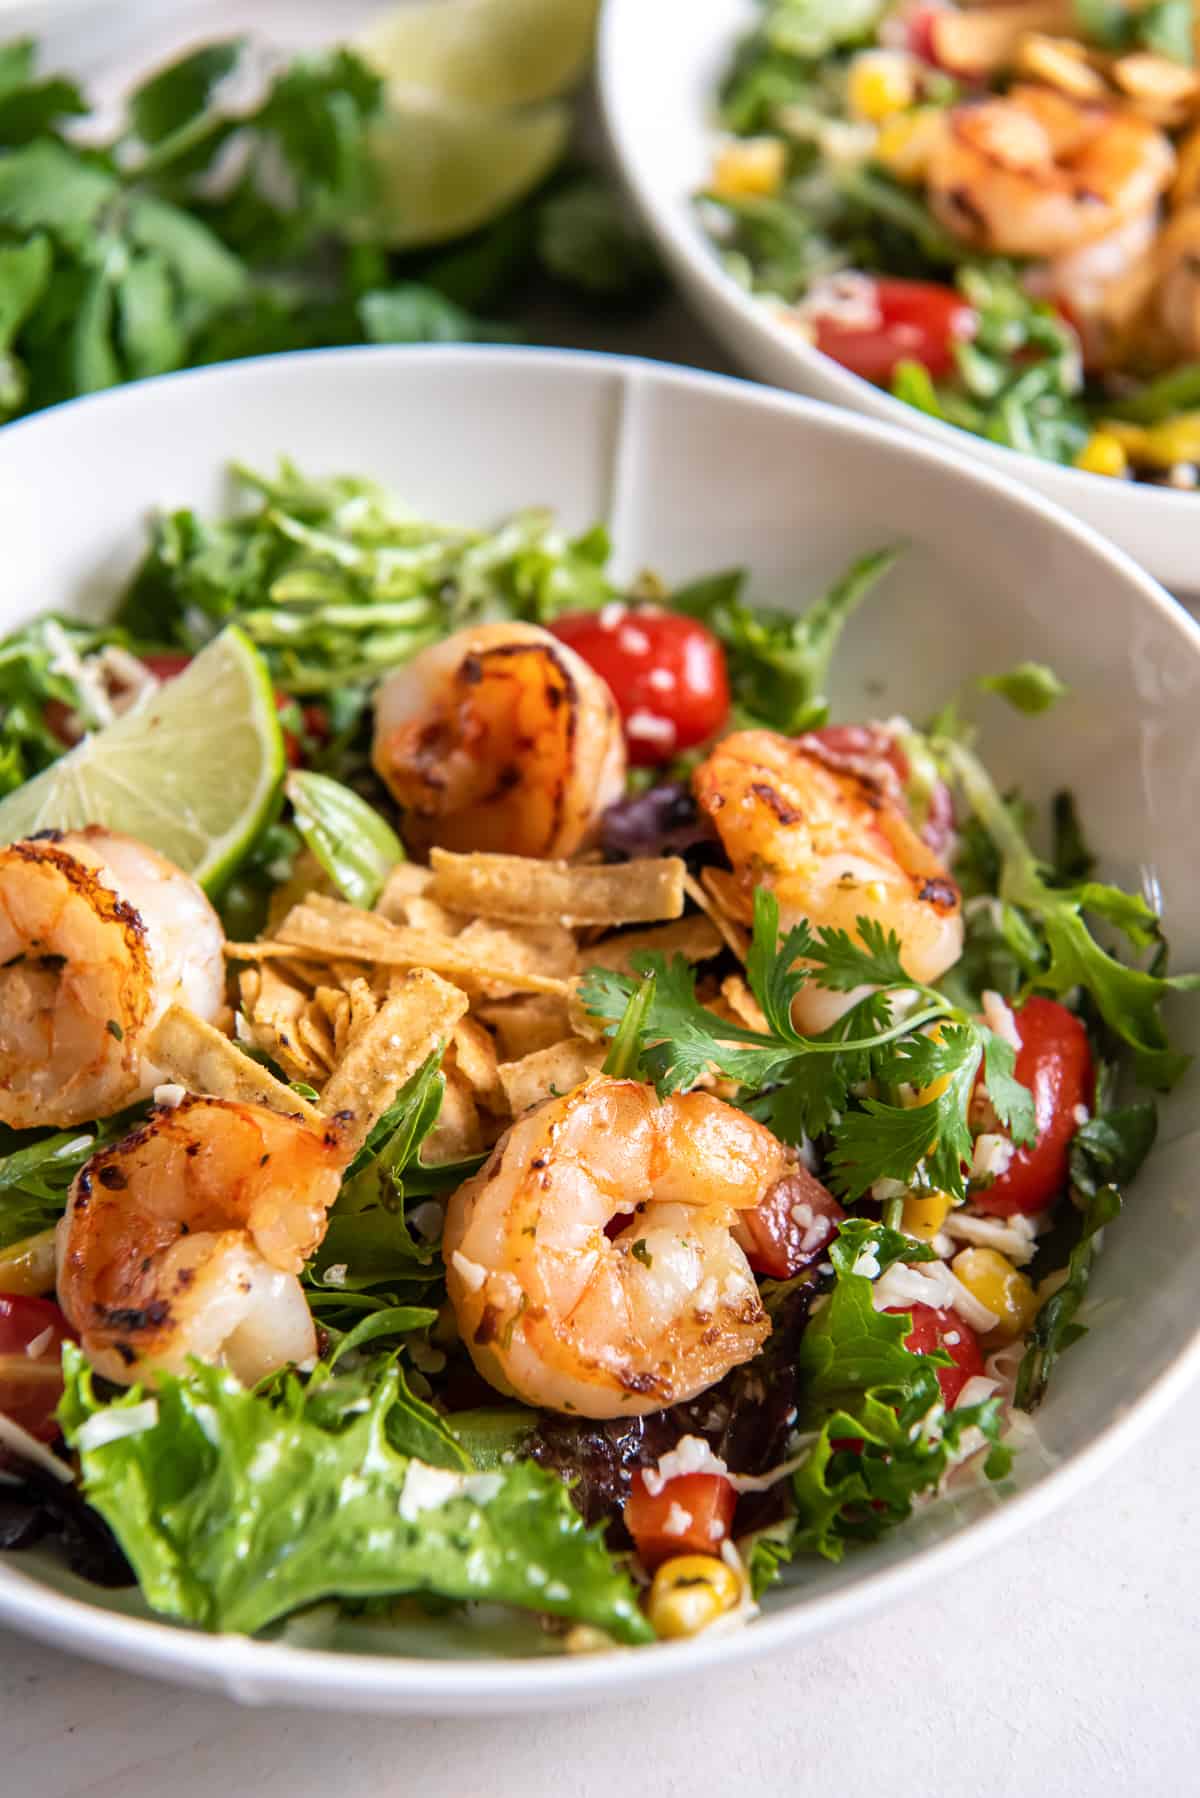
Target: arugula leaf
x=35 y=1176
x=356 y=847
x=1071 y=860
x=779 y=662
x=1054 y=1328
x=1109 y=1149
x=234 y=1511
x=812 y=28
x=1030 y=687
x=1128 y=999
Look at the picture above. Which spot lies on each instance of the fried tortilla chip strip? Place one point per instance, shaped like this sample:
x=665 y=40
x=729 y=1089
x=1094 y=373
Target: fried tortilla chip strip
x=519 y=890
x=548 y=1072
x=195 y=1055
x=695 y=937
x=419 y=1015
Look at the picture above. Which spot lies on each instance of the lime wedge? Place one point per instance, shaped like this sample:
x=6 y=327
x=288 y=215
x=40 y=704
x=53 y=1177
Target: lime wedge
x=445 y=168
x=490 y=53
x=192 y=771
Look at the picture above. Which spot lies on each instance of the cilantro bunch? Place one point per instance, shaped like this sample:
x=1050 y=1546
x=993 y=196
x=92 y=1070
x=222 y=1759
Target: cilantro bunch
x=852 y=1078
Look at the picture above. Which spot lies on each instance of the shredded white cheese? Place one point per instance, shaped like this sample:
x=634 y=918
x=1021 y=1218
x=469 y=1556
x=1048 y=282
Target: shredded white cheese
x=1082 y=1115
x=115 y=1424
x=335 y=1275
x=646 y=728
x=867 y=1262
x=38 y=1345
x=679 y=1521
x=998 y=1016
x=992 y=1157
x=20 y=1443
x=469 y=1272
x=427 y=1220
x=929 y=1283
x=1015 y=1236
x=691 y=1454
x=975 y=1390
x=170 y=1094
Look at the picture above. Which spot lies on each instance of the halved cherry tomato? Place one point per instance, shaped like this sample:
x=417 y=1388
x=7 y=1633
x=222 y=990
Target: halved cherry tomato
x=790 y=1227
x=921 y=34
x=933 y=1330
x=861 y=748
x=31 y=1384
x=918 y=321
x=667 y=674
x=706 y=1503
x=1055 y=1063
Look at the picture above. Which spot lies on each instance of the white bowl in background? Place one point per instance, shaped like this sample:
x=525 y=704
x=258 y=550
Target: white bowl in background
x=659 y=73
x=693 y=472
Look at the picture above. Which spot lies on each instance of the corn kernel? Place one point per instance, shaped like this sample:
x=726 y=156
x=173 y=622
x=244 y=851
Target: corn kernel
x=925 y=1213
x=27 y=1267
x=906 y=143
x=991 y=1278
x=689 y=1593
x=1103 y=453
x=880 y=84
x=752 y=167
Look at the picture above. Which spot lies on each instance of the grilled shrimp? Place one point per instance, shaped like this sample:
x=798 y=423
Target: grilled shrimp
x=1033 y=173
x=833 y=847
x=188 y=1237
x=98 y=936
x=500 y=738
x=559 y=1313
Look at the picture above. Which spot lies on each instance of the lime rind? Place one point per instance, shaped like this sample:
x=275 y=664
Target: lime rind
x=490 y=54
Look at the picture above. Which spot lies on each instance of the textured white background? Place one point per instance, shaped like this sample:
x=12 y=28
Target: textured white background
x=1064 y=1666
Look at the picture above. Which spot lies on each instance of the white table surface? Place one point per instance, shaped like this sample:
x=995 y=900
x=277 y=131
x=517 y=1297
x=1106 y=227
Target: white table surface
x=1066 y=1665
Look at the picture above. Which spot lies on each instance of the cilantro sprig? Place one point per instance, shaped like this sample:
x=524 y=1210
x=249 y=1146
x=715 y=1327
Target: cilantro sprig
x=801 y=1084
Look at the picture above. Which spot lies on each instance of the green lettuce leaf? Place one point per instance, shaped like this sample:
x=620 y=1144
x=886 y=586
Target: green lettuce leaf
x=234 y=1512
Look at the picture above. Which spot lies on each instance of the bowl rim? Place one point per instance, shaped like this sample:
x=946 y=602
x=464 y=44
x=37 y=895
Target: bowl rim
x=687 y=246
x=279 y=1671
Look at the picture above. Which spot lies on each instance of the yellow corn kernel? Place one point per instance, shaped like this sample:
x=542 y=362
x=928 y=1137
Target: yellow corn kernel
x=906 y=143
x=925 y=1213
x=991 y=1278
x=880 y=84
x=27 y=1267
x=1103 y=454
x=689 y=1593
x=751 y=167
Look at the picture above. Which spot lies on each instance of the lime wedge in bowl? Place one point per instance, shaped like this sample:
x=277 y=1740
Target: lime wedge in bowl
x=192 y=771
x=489 y=53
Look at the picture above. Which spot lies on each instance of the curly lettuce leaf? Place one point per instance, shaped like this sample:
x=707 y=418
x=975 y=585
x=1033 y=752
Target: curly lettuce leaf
x=234 y=1511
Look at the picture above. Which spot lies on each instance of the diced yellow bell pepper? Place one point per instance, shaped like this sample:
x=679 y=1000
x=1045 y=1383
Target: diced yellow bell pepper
x=925 y=1213
x=906 y=142
x=880 y=84
x=1103 y=453
x=1160 y=446
x=749 y=168
x=991 y=1278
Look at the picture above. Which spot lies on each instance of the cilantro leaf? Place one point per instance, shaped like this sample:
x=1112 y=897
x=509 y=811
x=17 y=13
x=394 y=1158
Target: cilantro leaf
x=234 y=1510
x=889 y=1142
x=843 y=964
x=1012 y=1102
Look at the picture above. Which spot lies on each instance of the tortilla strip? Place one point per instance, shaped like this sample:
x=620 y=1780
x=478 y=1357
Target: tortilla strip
x=327 y=928
x=695 y=937
x=418 y=1016
x=736 y=937
x=406 y=881
x=559 y=1069
x=519 y=890
x=534 y=1021
x=473 y=1054
x=197 y=1056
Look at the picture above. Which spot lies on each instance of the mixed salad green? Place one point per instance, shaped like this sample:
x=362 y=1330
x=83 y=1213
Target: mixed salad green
x=384 y=1471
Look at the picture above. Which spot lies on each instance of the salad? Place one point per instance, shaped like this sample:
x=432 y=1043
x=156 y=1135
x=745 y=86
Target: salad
x=991 y=211
x=504 y=1102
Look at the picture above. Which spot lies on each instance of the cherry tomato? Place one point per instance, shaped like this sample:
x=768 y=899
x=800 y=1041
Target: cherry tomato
x=667 y=675
x=1055 y=1063
x=918 y=321
x=933 y=1330
x=921 y=34
x=31 y=1384
x=790 y=1227
x=705 y=1500
x=872 y=749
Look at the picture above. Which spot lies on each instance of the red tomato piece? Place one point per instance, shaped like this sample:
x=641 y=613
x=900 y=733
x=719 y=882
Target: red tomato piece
x=667 y=674
x=921 y=34
x=917 y=321
x=790 y=1227
x=1055 y=1063
x=945 y=1330
x=705 y=1500
x=31 y=1384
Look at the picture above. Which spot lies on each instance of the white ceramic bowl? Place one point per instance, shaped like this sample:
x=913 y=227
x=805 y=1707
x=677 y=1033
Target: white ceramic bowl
x=659 y=75
x=693 y=472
